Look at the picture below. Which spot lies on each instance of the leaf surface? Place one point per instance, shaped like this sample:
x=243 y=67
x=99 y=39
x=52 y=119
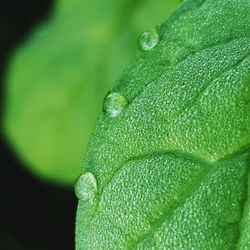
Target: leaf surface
x=172 y=169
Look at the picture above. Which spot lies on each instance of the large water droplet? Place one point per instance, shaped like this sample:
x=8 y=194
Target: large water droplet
x=114 y=104
x=148 y=40
x=86 y=187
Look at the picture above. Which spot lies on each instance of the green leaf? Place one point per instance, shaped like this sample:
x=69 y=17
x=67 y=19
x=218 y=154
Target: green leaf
x=171 y=170
x=57 y=80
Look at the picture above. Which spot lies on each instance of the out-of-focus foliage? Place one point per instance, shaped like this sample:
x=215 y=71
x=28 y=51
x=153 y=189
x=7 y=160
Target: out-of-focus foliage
x=57 y=80
x=171 y=170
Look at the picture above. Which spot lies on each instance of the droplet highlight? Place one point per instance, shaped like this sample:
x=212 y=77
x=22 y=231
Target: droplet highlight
x=114 y=104
x=148 y=40
x=86 y=187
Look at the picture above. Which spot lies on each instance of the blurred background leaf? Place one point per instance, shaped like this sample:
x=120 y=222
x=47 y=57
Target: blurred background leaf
x=57 y=80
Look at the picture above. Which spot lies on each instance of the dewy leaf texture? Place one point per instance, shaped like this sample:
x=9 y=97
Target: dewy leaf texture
x=57 y=80
x=172 y=169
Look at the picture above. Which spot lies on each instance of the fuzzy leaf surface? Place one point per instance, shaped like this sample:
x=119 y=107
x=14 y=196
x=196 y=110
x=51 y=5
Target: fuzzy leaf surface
x=172 y=170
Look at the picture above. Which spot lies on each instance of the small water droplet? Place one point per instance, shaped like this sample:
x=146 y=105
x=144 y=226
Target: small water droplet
x=86 y=187
x=148 y=40
x=206 y=92
x=114 y=104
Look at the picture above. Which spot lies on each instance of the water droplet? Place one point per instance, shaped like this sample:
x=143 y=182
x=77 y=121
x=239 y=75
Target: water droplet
x=114 y=104
x=148 y=40
x=86 y=187
x=206 y=92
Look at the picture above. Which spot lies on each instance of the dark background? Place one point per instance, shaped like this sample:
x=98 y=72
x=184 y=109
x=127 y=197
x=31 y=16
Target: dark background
x=33 y=215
